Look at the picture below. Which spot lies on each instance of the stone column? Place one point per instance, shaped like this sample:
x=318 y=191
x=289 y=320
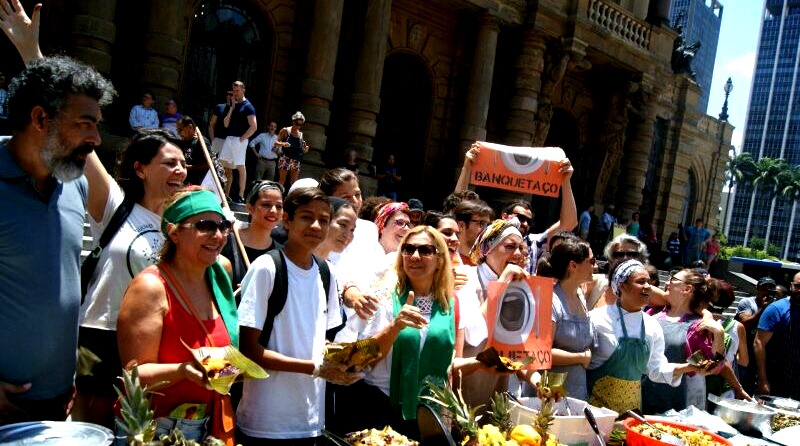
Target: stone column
x=636 y=161
x=93 y=33
x=316 y=88
x=163 y=46
x=365 y=102
x=520 y=128
x=476 y=108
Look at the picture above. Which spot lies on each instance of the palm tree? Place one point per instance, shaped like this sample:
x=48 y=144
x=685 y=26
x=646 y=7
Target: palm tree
x=791 y=190
x=740 y=169
x=766 y=180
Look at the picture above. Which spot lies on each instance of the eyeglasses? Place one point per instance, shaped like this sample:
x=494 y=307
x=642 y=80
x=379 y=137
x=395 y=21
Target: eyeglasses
x=424 y=250
x=210 y=226
x=481 y=223
x=675 y=279
x=623 y=254
x=400 y=223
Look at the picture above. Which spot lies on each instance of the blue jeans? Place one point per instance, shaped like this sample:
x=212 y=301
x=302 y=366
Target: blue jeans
x=192 y=429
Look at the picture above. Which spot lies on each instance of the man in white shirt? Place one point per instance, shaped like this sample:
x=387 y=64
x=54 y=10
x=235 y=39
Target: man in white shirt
x=263 y=146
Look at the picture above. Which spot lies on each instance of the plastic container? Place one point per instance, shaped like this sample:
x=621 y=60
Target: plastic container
x=571 y=430
x=55 y=433
x=634 y=438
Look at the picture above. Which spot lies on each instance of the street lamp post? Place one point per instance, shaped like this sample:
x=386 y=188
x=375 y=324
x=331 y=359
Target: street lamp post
x=723 y=117
x=728 y=88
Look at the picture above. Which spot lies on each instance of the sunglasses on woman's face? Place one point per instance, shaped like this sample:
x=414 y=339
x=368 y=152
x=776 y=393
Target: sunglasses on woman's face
x=207 y=226
x=424 y=250
x=626 y=254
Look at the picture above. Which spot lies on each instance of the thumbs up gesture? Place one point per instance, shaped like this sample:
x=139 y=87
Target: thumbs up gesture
x=409 y=315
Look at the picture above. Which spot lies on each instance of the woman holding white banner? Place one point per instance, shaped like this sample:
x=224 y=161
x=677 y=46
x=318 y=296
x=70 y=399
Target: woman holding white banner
x=571 y=263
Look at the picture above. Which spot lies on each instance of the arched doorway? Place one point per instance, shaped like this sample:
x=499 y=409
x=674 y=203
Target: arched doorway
x=404 y=121
x=689 y=199
x=229 y=41
x=565 y=133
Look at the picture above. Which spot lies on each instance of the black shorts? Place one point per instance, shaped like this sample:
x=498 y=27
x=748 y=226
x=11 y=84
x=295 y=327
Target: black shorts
x=95 y=377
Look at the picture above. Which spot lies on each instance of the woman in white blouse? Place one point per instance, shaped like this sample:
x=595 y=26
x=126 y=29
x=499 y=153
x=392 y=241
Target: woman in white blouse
x=628 y=350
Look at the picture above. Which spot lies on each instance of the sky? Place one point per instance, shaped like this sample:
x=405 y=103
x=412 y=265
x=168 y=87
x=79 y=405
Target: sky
x=736 y=56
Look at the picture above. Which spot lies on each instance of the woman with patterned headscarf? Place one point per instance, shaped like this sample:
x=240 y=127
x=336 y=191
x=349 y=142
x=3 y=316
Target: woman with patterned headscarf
x=630 y=344
x=186 y=299
x=498 y=253
x=393 y=221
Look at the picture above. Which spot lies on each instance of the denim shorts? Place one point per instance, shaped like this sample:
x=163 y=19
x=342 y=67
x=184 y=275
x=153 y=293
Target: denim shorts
x=192 y=429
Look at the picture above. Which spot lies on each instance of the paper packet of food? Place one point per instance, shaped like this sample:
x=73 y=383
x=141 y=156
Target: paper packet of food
x=223 y=365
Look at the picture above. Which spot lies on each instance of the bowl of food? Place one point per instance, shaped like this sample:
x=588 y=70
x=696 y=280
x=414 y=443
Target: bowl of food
x=639 y=434
x=745 y=416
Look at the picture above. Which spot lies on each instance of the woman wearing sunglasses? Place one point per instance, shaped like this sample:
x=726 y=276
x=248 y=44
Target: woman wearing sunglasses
x=415 y=328
x=630 y=344
x=264 y=205
x=150 y=170
x=393 y=221
x=185 y=299
x=571 y=263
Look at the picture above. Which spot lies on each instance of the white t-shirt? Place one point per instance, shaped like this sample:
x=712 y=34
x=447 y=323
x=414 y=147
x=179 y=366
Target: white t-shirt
x=287 y=405
x=363 y=260
x=134 y=247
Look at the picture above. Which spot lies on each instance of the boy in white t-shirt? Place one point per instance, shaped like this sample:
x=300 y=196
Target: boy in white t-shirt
x=288 y=407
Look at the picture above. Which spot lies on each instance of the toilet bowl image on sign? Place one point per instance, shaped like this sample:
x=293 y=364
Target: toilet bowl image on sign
x=518 y=316
x=528 y=170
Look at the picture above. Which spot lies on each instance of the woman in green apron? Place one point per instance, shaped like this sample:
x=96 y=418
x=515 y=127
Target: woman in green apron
x=630 y=344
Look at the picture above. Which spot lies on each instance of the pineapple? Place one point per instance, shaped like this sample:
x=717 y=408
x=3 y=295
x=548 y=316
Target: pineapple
x=137 y=417
x=464 y=416
x=500 y=412
x=550 y=389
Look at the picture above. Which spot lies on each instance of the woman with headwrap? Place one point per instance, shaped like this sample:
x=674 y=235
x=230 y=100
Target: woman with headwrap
x=393 y=221
x=630 y=343
x=498 y=252
x=571 y=263
x=185 y=298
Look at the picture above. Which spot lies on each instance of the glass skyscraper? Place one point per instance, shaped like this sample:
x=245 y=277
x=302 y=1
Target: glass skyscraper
x=701 y=21
x=773 y=124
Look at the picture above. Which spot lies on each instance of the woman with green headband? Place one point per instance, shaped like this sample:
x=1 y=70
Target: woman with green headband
x=185 y=298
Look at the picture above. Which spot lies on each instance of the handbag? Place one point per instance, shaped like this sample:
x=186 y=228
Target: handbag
x=90 y=262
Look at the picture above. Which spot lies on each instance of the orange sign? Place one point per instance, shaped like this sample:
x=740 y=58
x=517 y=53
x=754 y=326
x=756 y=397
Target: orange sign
x=518 y=315
x=527 y=170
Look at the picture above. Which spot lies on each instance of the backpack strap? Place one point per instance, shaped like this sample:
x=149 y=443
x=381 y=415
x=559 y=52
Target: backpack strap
x=280 y=290
x=90 y=263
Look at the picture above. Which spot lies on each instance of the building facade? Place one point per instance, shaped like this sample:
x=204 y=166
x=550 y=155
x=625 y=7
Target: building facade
x=424 y=79
x=772 y=128
x=701 y=21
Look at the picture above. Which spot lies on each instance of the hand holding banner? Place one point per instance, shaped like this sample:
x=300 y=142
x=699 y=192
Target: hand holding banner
x=518 y=315
x=527 y=170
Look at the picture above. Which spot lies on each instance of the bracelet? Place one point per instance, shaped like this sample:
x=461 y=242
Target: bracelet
x=346 y=287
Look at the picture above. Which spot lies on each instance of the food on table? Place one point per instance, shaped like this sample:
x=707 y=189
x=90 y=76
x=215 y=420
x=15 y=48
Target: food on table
x=690 y=438
x=784 y=420
x=383 y=437
x=525 y=435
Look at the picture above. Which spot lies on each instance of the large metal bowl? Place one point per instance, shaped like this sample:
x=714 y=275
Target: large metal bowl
x=744 y=415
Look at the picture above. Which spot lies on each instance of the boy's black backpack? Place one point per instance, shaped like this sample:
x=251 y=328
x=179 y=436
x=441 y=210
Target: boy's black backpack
x=280 y=289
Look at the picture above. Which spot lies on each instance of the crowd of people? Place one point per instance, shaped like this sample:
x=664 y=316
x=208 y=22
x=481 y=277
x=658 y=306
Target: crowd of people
x=313 y=264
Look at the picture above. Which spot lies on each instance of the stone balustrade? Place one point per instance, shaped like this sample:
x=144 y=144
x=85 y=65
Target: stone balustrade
x=619 y=22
